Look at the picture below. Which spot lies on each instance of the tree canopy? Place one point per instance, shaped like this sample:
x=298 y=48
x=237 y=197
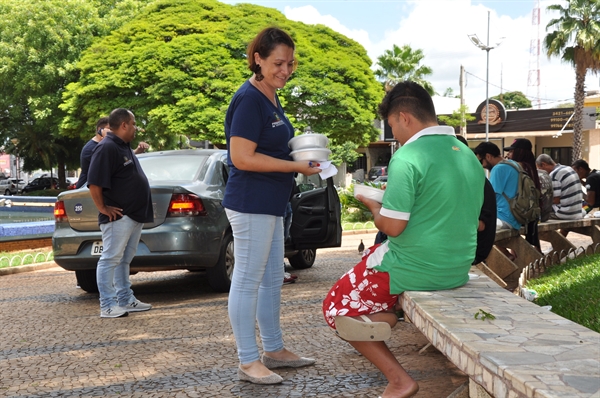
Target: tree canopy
x=403 y=63
x=576 y=39
x=40 y=44
x=513 y=100
x=459 y=117
x=177 y=65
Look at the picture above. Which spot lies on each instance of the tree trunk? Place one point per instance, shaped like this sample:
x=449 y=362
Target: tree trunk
x=578 y=112
x=61 y=172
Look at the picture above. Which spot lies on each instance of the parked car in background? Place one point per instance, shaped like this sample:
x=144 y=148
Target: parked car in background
x=11 y=186
x=190 y=229
x=377 y=171
x=41 y=183
x=380 y=180
x=71 y=182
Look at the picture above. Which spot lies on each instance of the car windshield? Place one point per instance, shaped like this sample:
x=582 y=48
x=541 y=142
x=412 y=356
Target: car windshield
x=179 y=168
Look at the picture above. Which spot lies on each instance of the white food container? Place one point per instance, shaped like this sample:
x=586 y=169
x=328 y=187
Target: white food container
x=311 y=154
x=369 y=192
x=305 y=141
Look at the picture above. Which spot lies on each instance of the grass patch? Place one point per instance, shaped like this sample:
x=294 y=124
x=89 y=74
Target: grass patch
x=44 y=192
x=26 y=257
x=573 y=290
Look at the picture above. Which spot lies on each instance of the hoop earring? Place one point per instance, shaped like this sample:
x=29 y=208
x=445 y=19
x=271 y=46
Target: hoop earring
x=258 y=75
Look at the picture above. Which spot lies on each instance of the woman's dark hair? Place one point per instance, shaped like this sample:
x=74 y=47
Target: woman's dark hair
x=411 y=98
x=527 y=160
x=264 y=43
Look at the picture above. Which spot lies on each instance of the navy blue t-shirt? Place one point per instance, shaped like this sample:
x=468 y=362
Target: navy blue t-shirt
x=252 y=116
x=85 y=158
x=115 y=168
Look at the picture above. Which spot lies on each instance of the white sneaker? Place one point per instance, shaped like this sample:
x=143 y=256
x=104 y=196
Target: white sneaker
x=113 y=312
x=137 y=306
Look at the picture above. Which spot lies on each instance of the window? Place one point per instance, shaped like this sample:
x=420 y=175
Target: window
x=562 y=155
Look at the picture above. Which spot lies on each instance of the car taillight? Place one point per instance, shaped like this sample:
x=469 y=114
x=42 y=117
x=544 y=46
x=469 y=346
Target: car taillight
x=60 y=214
x=185 y=205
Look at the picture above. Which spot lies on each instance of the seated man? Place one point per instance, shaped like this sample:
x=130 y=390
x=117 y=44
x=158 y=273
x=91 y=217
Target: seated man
x=590 y=179
x=568 y=197
x=430 y=213
x=504 y=179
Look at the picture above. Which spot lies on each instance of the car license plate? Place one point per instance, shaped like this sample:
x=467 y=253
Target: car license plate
x=97 y=248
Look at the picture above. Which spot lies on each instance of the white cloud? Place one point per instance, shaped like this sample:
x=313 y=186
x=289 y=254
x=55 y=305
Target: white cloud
x=311 y=16
x=440 y=29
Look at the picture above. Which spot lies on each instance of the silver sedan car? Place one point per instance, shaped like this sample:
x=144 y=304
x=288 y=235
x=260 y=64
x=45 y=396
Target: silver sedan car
x=190 y=229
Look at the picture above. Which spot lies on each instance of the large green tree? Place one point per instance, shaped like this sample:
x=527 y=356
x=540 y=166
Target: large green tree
x=40 y=43
x=576 y=39
x=513 y=100
x=177 y=65
x=403 y=63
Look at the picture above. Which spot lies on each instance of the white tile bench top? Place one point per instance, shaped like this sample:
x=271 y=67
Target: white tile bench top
x=526 y=351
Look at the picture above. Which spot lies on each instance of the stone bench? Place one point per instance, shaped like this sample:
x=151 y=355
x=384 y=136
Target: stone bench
x=506 y=272
x=526 y=351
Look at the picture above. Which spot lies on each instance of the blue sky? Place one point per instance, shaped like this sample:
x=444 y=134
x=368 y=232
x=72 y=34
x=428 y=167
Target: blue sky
x=440 y=29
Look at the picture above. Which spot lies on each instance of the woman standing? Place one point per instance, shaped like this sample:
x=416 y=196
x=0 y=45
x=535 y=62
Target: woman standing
x=257 y=193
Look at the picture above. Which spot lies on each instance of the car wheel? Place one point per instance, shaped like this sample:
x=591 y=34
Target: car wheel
x=86 y=279
x=219 y=276
x=7 y=192
x=303 y=259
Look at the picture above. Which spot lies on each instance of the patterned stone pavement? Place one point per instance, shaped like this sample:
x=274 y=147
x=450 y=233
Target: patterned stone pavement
x=54 y=344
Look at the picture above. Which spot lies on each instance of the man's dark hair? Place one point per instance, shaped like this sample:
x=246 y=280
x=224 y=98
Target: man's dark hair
x=581 y=164
x=117 y=117
x=411 y=98
x=102 y=122
x=462 y=139
x=487 y=147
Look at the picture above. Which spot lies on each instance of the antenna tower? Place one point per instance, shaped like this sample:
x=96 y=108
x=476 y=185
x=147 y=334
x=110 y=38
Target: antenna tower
x=533 y=80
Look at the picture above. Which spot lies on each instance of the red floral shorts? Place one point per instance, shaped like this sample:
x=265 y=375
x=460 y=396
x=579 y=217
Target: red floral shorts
x=360 y=291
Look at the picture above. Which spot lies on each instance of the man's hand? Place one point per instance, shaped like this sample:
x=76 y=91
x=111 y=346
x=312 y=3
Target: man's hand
x=389 y=226
x=373 y=205
x=113 y=213
x=141 y=148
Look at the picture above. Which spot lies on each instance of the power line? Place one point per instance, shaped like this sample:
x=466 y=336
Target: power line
x=528 y=96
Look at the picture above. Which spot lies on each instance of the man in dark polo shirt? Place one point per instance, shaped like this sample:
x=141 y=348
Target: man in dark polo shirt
x=121 y=193
x=88 y=149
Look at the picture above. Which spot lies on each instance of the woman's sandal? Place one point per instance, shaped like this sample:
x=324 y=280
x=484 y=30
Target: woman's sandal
x=351 y=329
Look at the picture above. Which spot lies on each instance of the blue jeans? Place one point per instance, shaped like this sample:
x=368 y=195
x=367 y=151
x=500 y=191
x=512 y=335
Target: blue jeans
x=255 y=293
x=287 y=222
x=120 y=241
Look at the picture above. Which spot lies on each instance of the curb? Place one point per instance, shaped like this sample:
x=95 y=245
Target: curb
x=51 y=264
x=360 y=231
x=27 y=268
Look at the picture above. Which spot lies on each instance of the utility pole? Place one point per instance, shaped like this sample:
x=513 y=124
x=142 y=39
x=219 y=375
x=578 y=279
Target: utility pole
x=463 y=122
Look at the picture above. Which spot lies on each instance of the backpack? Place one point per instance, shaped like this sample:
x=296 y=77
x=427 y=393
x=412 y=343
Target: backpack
x=525 y=207
x=547 y=194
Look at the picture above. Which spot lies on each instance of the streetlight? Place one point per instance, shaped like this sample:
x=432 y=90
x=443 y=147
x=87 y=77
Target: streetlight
x=486 y=47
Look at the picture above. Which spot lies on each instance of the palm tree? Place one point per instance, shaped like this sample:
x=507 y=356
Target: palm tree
x=576 y=39
x=400 y=64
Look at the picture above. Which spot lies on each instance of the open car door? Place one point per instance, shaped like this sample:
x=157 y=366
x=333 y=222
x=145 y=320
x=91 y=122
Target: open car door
x=316 y=220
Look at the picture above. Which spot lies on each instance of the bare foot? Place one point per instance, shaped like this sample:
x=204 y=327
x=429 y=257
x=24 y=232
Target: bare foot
x=256 y=369
x=406 y=390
